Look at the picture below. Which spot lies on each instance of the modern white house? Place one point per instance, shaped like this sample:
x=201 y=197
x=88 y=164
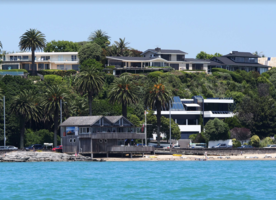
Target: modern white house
x=186 y=112
x=43 y=60
x=156 y=59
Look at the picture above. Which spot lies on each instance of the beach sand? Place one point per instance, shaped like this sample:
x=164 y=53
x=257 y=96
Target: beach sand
x=194 y=157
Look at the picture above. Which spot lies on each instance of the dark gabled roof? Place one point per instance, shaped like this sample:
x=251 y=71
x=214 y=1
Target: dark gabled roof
x=133 y=58
x=165 y=51
x=114 y=119
x=241 y=54
x=91 y=120
x=227 y=61
x=81 y=121
x=196 y=60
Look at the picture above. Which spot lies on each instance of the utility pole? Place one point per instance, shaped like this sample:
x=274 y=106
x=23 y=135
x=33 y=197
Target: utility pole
x=4 y=123
x=170 y=126
x=145 y=128
x=60 y=103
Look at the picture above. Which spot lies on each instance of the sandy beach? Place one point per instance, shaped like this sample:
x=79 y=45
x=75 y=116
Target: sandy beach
x=195 y=157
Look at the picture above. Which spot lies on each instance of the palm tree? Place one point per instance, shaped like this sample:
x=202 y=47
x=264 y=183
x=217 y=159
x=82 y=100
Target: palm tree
x=90 y=81
x=32 y=40
x=122 y=46
x=124 y=91
x=26 y=106
x=98 y=34
x=158 y=95
x=51 y=104
x=1 y=46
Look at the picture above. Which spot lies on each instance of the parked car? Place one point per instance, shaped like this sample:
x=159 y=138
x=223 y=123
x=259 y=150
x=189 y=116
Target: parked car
x=222 y=146
x=271 y=146
x=36 y=146
x=8 y=148
x=246 y=146
x=57 y=148
x=12 y=147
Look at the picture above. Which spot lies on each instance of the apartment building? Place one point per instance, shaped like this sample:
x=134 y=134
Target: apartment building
x=186 y=112
x=269 y=61
x=43 y=60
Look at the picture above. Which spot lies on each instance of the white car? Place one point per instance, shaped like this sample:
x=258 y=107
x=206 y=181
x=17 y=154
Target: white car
x=271 y=146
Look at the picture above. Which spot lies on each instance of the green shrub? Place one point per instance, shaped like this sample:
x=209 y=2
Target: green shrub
x=236 y=143
x=39 y=137
x=34 y=78
x=266 y=141
x=57 y=72
x=255 y=141
x=15 y=70
x=193 y=137
x=53 y=79
x=236 y=77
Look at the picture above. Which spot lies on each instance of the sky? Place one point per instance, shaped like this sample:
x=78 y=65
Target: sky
x=190 y=26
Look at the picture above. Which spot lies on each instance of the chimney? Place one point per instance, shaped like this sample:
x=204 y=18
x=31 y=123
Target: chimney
x=158 y=50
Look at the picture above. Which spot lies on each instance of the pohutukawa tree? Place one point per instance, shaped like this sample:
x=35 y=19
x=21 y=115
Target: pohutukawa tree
x=125 y=92
x=158 y=95
x=26 y=106
x=90 y=81
x=32 y=40
x=51 y=104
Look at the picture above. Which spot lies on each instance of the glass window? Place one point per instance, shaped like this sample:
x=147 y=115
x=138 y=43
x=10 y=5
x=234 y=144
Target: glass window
x=166 y=56
x=61 y=67
x=14 y=58
x=73 y=57
x=9 y=67
x=25 y=57
x=47 y=66
x=40 y=66
x=60 y=58
x=26 y=66
x=11 y=58
x=76 y=67
x=68 y=67
x=197 y=66
x=180 y=57
x=187 y=66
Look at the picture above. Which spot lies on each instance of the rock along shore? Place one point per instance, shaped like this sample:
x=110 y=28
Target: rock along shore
x=30 y=156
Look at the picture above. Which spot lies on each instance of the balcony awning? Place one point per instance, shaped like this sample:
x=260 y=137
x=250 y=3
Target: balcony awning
x=191 y=105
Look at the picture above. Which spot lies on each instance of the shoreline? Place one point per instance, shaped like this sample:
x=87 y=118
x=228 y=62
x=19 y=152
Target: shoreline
x=27 y=156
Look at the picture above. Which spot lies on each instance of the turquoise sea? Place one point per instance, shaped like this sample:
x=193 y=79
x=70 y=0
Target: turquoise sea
x=139 y=180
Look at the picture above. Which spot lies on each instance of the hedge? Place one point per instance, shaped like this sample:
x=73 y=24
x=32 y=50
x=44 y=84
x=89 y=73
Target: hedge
x=53 y=79
x=14 y=70
x=236 y=77
x=57 y=72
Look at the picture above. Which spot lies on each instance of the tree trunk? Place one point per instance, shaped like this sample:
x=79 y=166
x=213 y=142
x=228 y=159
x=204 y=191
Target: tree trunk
x=22 y=132
x=55 y=126
x=158 y=116
x=90 y=103
x=124 y=109
x=34 y=73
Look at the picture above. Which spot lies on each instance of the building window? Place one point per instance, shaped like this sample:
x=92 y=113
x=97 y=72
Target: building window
x=60 y=58
x=25 y=57
x=166 y=56
x=175 y=66
x=180 y=57
x=60 y=67
x=45 y=57
x=47 y=66
x=197 y=66
x=74 y=57
x=187 y=66
x=68 y=67
x=76 y=67
x=26 y=66
x=41 y=66
x=9 y=67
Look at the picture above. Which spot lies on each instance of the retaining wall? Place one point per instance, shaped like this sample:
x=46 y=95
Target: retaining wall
x=219 y=152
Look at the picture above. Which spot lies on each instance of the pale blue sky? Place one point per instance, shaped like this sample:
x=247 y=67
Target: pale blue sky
x=191 y=27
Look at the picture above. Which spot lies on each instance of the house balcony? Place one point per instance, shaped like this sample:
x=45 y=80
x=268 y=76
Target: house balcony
x=113 y=135
x=190 y=128
x=218 y=114
x=130 y=149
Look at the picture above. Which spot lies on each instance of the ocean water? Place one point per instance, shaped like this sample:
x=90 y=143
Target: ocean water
x=139 y=180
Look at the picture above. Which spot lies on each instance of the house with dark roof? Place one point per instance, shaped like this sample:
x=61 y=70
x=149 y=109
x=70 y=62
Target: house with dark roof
x=156 y=59
x=101 y=135
x=237 y=61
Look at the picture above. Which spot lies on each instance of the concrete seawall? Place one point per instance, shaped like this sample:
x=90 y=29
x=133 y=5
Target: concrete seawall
x=218 y=152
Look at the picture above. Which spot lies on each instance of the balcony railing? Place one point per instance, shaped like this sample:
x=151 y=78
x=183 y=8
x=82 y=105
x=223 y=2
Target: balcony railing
x=44 y=60
x=221 y=112
x=113 y=135
x=139 y=149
